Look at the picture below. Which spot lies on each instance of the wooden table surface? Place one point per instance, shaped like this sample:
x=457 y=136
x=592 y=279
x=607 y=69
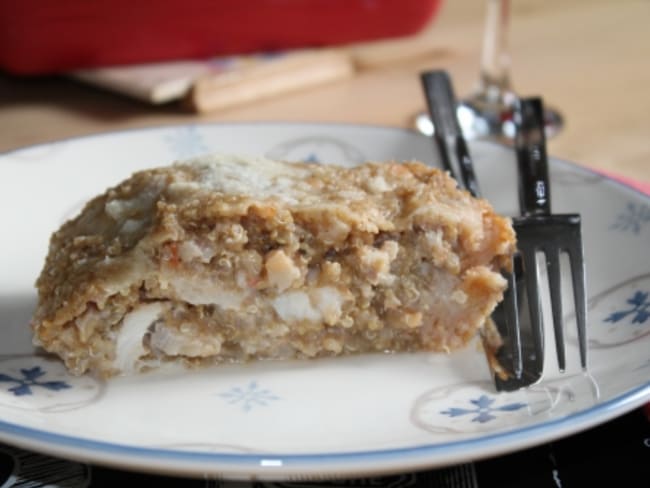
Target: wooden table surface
x=588 y=58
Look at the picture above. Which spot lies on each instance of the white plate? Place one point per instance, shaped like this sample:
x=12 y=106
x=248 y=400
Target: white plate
x=327 y=418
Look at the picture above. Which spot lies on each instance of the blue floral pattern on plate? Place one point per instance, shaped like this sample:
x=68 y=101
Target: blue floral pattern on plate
x=31 y=378
x=484 y=409
x=42 y=383
x=472 y=407
x=619 y=315
x=312 y=158
x=249 y=396
x=639 y=311
x=317 y=149
x=633 y=219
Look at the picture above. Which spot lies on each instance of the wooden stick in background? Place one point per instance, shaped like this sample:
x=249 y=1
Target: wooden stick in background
x=257 y=81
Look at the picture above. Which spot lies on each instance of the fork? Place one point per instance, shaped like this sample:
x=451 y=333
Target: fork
x=456 y=159
x=537 y=231
x=540 y=231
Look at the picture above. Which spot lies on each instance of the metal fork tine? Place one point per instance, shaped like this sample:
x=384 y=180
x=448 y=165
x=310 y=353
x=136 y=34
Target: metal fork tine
x=531 y=280
x=555 y=287
x=576 y=259
x=555 y=233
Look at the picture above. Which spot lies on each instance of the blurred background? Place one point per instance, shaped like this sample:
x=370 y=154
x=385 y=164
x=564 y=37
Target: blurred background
x=71 y=67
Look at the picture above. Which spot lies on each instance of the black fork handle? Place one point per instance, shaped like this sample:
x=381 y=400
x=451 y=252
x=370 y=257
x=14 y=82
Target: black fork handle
x=447 y=132
x=456 y=159
x=530 y=144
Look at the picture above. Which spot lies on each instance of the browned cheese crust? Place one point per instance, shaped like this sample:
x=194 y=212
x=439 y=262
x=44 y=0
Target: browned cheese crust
x=232 y=259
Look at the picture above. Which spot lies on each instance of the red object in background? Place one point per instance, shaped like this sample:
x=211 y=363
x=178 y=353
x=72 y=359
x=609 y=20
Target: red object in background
x=48 y=36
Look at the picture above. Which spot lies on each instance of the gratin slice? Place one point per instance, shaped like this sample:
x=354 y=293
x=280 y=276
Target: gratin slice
x=226 y=258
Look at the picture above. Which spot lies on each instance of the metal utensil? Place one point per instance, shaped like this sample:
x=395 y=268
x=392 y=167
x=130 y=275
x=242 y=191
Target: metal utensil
x=540 y=231
x=456 y=159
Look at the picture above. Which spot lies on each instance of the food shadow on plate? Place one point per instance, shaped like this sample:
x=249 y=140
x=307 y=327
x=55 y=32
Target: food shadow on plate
x=15 y=315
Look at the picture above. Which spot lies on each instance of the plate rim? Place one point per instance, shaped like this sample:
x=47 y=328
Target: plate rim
x=231 y=464
x=127 y=130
